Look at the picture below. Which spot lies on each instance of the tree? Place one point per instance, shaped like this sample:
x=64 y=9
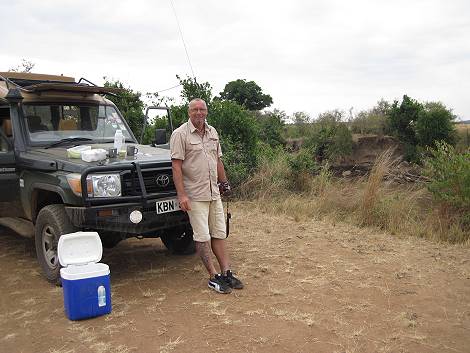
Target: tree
x=330 y=138
x=372 y=121
x=238 y=131
x=247 y=94
x=420 y=125
x=301 y=118
x=271 y=125
x=193 y=89
x=449 y=173
x=25 y=66
x=382 y=108
x=130 y=104
x=435 y=123
x=403 y=117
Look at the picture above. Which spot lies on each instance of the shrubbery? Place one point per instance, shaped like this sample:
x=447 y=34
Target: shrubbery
x=419 y=126
x=238 y=132
x=329 y=137
x=435 y=123
x=449 y=172
x=373 y=121
x=270 y=127
x=256 y=160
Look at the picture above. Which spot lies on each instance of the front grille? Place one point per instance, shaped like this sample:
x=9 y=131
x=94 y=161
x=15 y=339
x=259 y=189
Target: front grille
x=131 y=185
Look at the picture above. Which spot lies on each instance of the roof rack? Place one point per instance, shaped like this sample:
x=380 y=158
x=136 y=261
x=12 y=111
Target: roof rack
x=35 y=83
x=87 y=81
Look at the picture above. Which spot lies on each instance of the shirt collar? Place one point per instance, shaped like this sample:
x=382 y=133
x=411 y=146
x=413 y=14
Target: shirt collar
x=192 y=128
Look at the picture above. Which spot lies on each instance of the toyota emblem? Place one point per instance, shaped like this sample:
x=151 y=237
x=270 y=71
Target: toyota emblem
x=163 y=180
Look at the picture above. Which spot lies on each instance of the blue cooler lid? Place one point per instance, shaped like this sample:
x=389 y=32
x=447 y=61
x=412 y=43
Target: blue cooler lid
x=79 y=248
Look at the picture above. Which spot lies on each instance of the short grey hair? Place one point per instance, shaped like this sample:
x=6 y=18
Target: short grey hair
x=196 y=100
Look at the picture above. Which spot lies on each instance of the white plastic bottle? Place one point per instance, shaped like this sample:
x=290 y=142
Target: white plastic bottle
x=123 y=151
x=101 y=296
x=118 y=137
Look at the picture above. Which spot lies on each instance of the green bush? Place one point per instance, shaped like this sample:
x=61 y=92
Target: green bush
x=329 y=137
x=373 y=121
x=302 y=166
x=403 y=118
x=238 y=132
x=267 y=153
x=129 y=104
x=419 y=126
x=302 y=162
x=237 y=167
x=435 y=123
x=271 y=125
x=449 y=172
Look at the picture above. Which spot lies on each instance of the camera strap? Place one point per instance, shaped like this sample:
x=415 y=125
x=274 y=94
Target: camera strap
x=227 y=224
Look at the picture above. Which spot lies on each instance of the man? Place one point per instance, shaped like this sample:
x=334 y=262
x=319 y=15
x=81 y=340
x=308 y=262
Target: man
x=197 y=167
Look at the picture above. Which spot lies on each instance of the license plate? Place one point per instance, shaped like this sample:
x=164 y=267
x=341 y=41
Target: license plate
x=166 y=206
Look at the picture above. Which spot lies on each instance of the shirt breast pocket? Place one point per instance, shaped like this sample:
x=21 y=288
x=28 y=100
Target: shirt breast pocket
x=213 y=144
x=195 y=146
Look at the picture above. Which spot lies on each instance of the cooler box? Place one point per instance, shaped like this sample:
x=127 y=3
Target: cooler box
x=85 y=282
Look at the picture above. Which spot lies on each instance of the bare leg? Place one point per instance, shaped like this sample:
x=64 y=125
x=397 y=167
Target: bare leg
x=220 y=251
x=204 y=251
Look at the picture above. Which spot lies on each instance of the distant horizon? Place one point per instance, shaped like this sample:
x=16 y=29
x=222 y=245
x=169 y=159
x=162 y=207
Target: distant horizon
x=310 y=57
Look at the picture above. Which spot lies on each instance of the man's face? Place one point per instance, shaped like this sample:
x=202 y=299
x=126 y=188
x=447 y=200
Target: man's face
x=198 y=113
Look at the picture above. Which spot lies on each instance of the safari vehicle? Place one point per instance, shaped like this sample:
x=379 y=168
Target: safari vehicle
x=45 y=193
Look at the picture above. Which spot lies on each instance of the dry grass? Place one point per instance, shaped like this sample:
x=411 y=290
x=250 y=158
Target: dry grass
x=271 y=179
x=374 y=183
x=406 y=210
x=171 y=345
x=463 y=136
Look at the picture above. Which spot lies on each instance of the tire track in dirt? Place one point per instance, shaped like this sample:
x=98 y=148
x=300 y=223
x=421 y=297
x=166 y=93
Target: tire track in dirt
x=311 y=286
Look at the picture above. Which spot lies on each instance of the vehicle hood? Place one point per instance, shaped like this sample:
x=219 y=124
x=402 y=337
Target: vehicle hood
x=55 y=158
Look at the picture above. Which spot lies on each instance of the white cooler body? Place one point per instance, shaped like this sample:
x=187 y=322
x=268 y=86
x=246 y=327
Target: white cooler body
x=85 y=282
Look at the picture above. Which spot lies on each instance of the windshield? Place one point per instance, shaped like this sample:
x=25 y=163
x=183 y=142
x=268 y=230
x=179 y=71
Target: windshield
x=51 y=123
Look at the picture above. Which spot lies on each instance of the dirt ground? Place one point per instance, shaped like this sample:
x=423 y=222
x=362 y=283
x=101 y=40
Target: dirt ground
x=310 y=287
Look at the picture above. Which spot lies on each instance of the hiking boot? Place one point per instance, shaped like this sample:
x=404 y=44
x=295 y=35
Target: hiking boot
x=232 y=281
x=219 y=284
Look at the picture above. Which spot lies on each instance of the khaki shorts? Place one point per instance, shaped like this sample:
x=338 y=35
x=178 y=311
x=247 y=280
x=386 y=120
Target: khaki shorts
x=207 y=219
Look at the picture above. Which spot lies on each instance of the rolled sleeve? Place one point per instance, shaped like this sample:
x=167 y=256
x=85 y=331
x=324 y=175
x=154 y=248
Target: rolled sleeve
x=177 y=146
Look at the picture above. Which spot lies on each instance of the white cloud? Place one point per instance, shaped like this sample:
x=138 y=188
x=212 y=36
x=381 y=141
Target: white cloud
x=309 y=55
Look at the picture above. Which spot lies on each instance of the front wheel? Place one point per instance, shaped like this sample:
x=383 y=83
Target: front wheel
x=110 y=240
x=51 y=223
x=179 y=240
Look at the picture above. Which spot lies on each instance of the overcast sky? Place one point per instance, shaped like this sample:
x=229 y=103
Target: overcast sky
x=310 y=56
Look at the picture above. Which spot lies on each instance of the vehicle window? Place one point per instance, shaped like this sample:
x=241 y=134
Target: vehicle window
x=49 y=123
x=4 y=147
x=6 y=129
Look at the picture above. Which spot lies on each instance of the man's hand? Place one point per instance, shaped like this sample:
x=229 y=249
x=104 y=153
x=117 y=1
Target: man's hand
x=225 y=188
x=183 y=199
x=184 y=202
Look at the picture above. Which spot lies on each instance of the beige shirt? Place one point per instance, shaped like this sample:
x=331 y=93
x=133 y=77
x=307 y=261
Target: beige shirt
x=199 y=156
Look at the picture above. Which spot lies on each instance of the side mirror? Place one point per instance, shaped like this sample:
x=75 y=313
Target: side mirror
x=160 y=137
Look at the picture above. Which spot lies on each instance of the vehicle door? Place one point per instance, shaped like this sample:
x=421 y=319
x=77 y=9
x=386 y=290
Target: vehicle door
x=9 y=180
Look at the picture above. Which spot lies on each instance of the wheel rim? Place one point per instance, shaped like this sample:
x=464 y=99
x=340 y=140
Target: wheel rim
x=49 y=247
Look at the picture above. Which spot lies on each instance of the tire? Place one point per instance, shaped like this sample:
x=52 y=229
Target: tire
x=179 y=241
x=110 y=240
x=51 y=223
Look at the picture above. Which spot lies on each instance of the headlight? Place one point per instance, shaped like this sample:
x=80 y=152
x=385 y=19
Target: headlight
x=98 y=185
x=108 y=185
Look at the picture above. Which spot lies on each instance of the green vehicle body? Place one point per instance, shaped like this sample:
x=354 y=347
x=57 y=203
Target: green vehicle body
x=41 y=117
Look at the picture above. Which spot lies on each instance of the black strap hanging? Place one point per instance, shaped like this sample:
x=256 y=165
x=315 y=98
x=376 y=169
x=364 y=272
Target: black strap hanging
x=227 y=224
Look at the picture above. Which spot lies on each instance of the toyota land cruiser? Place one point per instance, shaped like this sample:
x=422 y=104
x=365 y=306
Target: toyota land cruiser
x=45 y=193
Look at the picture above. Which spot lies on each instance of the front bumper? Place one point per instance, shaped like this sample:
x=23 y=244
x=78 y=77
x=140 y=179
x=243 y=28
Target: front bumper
x=112 y=213
x=115 y=218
